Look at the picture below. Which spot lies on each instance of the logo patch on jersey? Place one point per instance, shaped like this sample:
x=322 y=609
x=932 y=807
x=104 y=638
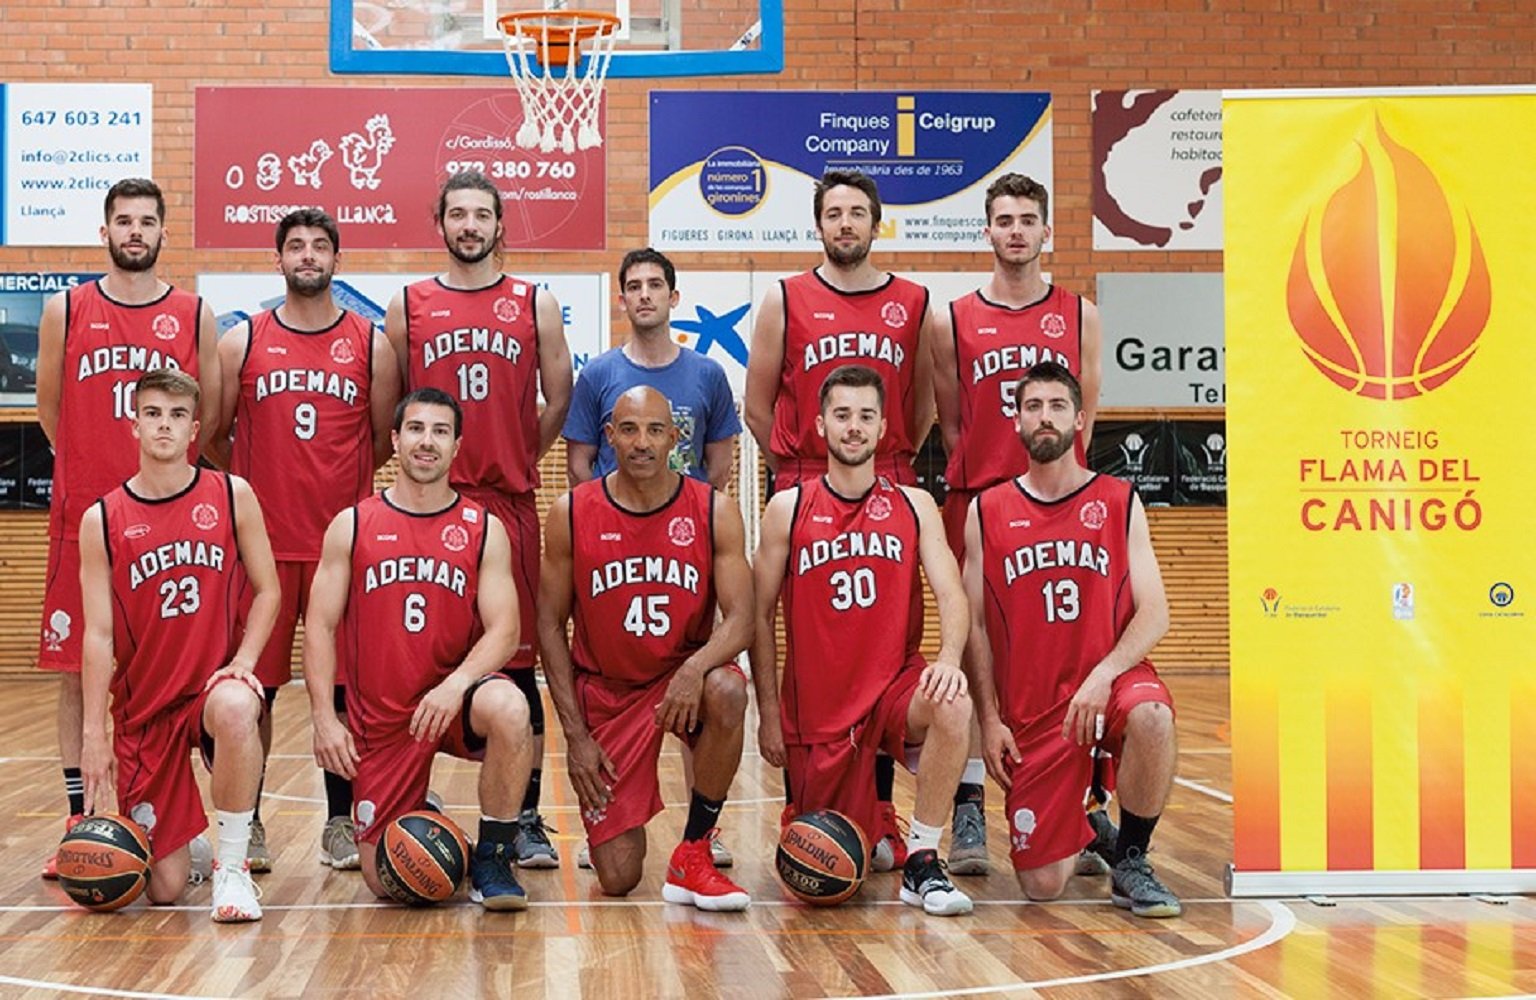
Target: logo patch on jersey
x=507 y=310
x=821 y=518
x=610 y=536
x=1053 y=325
x=1023 y=825
x=277 y=349
x=1019 y=522
x=59 y=627
x=342 y=353
x=205 y=516
x=136 y=531
x=165 y=326
x=101 y=326
x=391 y=537
x=471 y=515
x=894 y=314
x=828 y=316
x=440 y=313
x=878 y=508
x=143 y=813
x=986 y=331
x=455 y=537
x=1093 y=514
x=681 y=530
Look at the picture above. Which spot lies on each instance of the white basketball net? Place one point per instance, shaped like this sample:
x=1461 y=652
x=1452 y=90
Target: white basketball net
x=559 y=112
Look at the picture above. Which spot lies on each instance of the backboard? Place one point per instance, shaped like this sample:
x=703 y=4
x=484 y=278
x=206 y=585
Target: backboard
x=657 y=38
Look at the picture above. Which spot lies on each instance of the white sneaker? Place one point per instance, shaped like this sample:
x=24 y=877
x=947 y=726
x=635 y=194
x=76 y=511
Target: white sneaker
x=234 y=894
x=584 y=857
x=202 y=860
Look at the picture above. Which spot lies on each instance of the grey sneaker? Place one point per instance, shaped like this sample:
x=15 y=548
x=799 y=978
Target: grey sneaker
x=968 y=841
x=924 y=884
x=1099 y=855
x=584 y=857
x=1135 y=888
x=202 y=860
x=256 y=854
x=718 y=852
x=531 y=845
x=338 y=844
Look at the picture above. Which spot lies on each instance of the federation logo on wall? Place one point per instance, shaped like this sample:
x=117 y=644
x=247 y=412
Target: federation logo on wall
x=1388 y=288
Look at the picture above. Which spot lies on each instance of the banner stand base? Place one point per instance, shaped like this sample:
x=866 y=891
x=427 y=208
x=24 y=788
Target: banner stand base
x=1241 y=884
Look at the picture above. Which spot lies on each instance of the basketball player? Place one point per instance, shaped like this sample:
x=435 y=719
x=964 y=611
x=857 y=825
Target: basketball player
x=696 y=386
x=93 y=343
x=493 y=342
x=160 y=561
x=640 y=556
x=981 y=347
x=853 y=683
x=1066 y=602
x=844 y=310
x=308 y=394
x=418 y=579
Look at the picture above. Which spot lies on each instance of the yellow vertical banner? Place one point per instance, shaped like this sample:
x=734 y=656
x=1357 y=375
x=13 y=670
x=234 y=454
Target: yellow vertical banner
x=1381 y=343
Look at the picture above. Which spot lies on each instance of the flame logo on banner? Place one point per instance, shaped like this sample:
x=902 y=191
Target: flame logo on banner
x=1387 y=293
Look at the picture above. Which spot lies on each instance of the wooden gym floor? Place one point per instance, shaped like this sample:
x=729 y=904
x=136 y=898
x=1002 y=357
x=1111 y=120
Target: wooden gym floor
x=323 y=935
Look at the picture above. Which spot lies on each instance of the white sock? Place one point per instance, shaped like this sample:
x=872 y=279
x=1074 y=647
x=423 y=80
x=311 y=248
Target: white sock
x=975 y=772
x=922 y=837
x=234 y=836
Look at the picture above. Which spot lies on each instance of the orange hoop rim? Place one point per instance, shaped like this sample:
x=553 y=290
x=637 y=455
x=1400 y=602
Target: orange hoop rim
x=562 y=28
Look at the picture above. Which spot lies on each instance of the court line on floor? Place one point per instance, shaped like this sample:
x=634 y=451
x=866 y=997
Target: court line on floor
x=1282 y=923
x=1195 y=786
x=95 y=991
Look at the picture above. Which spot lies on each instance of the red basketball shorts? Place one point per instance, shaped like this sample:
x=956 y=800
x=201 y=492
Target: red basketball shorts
x=274 y=667
x=63 y=611
x=1045 y=814
x=622 y=719
x=840 y=775
x=519 y=514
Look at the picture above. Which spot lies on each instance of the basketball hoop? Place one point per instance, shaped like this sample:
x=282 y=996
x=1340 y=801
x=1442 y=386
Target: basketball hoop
x=559 y=59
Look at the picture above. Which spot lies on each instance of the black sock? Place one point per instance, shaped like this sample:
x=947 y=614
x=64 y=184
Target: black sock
x=338 y=795
x=966 y=793
x=74 y=787
x=260 y=787
x=531 y=796
x=885 y=776
x=1135 y=832
x=789 y=796
x=496 y=832
x=703 y=816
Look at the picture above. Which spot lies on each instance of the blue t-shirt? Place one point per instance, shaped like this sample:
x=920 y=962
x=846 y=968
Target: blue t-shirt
x=695 y=385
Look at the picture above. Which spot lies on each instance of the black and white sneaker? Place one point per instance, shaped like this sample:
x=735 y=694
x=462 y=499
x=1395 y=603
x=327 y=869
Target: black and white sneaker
x=925 y=883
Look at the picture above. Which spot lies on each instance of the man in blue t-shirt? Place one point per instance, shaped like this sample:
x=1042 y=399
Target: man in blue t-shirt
x=696 y=385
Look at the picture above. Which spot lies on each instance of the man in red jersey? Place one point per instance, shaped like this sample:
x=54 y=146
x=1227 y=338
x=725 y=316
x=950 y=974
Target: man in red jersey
x=844 y=310
x=1066 y=603
x=832 y=547
x=641 y=556
x=161 y=559
x=309 y=391
x=494 y=343
x=94 y=341
x=980 y=348
x=414 y=599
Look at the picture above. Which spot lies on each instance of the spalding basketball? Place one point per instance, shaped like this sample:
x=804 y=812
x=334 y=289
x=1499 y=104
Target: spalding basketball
x=422 y=858
x=821 y=857
x=104 y=862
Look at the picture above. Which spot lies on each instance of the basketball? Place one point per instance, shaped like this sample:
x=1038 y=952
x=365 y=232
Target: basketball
x=821 y=857
x=422 y=858
x=104 y=862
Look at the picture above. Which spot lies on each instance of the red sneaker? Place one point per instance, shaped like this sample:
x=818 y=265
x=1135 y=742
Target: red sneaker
x=693 y=878
x=890 y=850
x=51 y=866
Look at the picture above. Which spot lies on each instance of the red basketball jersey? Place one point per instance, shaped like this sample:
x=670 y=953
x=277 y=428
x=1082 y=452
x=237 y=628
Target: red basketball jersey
x=824 y=329
x=1058 y=590
x=303 y=434
x=107 y=346
x=411 y=615
x=847 y=602
x=174 y=580
x=644 y=582
x=994 y=344
x=482 y=348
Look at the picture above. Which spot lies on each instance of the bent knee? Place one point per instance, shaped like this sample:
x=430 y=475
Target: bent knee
x=1150 y=720
x=502 y=706
x=1041 y=885
x=232 y=708
x=954 y=716
x=725 y=694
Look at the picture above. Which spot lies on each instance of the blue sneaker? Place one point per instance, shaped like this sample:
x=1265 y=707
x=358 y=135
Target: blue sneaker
x=492 y=883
